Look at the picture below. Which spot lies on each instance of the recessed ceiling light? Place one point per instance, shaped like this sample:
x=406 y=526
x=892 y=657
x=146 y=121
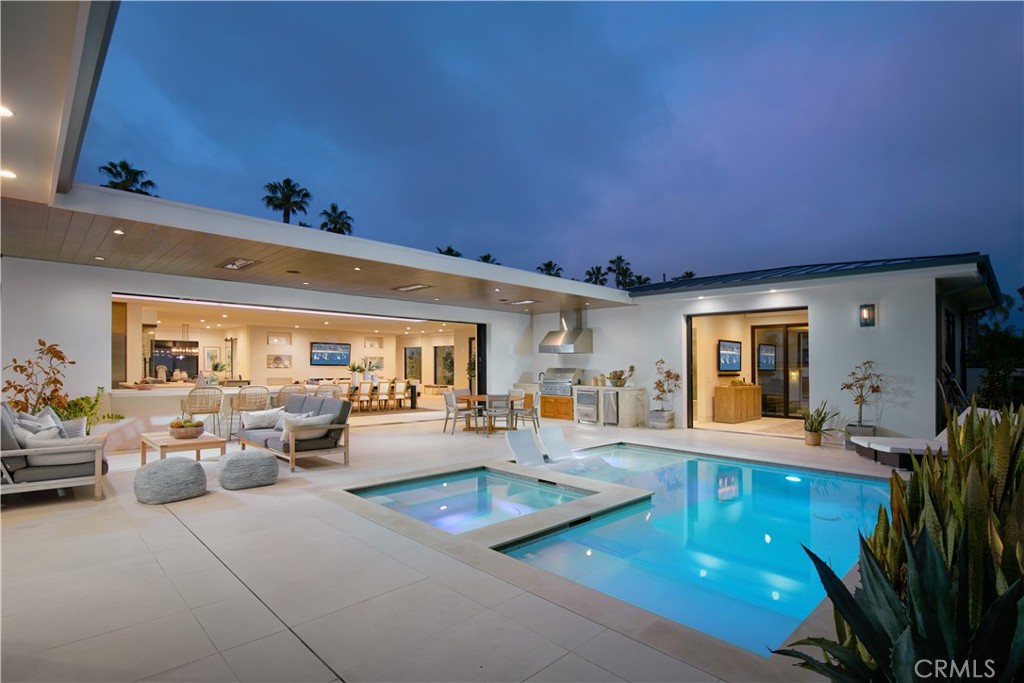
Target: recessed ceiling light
x=296 y=327
x=202 y=320
x=223 y=315
x=357 y=268
x=99 y=258
x=444 y=324
x=408 y=328
x=411 y=288
x=218 y=324
x=376 y=330
x=305 y=283
x=440 y=330
x=5 y=112
x=237 y=263
x=293 y=272
x=207 y=327
x=326 y=323
x=496 y=289
x=436 y=299
x=526 y=310
x=119 y=231
x=523 y=302
x=586 y=303
x=772 y=291
x=700 y=297
x=8 y=174
x=423 y=331
x=157 y=322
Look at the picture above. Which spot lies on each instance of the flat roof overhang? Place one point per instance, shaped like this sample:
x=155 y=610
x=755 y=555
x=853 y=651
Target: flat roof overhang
x=160 y=236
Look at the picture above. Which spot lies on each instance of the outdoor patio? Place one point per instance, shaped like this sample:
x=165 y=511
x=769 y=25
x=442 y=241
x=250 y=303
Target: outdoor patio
x=289 y=583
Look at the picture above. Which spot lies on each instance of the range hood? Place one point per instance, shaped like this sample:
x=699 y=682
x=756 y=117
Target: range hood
x=571 y=338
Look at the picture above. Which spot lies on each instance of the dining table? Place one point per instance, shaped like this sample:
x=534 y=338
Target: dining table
x=479 y=400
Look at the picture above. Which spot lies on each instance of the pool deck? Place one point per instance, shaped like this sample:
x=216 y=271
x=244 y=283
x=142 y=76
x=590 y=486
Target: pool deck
x=302 y=581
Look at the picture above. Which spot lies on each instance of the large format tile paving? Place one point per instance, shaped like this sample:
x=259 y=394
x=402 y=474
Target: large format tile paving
x=293 y=582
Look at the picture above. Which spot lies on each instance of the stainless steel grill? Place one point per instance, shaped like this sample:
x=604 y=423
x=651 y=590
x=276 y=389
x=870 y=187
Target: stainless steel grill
x=559 y=381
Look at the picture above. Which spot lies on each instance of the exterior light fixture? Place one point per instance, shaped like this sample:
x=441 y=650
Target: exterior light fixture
x=8 y=174
x=238 y=263
x=5 y=112
x=867 y=315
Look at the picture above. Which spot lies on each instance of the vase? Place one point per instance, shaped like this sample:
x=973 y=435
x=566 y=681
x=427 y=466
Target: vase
x=617 y=382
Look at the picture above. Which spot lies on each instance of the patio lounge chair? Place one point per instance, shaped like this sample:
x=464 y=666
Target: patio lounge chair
x=895 y=451
x=553 y=441
x=524 y=448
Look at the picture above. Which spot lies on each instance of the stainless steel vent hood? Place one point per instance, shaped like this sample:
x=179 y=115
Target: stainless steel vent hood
x=571 y=338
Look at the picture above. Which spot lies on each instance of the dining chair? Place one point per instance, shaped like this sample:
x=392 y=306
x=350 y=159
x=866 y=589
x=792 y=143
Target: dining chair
x=498 y=407
x=287 y=390
x=401 y=389
x=531 y=414
x=253 y=397
x=365 y=395
x=453 y=411
x=384 y=395
x=204 y=401
x=329 y=391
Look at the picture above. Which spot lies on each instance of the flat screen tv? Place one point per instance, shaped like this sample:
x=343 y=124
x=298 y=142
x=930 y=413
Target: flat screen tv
x=729 y=355
x=766 y=356
x=329 y=353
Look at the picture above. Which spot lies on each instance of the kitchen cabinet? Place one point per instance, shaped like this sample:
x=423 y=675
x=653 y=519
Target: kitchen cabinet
x=556 y=407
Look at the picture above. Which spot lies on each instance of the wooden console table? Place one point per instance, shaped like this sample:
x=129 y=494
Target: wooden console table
x=737 y=403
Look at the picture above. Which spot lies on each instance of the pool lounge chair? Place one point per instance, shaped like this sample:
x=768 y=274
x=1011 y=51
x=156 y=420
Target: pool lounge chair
x=896 y=451
x=524 y=448
x=553 y=441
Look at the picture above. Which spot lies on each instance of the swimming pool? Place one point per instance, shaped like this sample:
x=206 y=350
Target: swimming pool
x=463 y=501
x=717 y=547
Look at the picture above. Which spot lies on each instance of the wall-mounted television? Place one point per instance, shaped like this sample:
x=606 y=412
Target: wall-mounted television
x=330 y=353
x=766 y=356
x=729 y=359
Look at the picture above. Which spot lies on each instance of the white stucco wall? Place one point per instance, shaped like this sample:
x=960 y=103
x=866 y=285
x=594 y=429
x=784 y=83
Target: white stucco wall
x=902 y=344
x=70 y=305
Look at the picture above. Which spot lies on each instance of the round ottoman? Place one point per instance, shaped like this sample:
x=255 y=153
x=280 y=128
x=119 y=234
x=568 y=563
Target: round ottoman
x=247 y=469
x=165 y=481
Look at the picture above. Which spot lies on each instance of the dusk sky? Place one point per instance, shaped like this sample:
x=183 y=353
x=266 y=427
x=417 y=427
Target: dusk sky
x=685 y=136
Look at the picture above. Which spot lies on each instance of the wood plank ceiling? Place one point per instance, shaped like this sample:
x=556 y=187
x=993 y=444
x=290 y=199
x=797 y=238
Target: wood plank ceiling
x=36 y=231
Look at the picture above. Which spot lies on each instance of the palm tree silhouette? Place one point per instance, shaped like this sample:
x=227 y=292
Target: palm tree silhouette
x=550 y=268
x=123 y=176
x=336 y=220
x=596 y=275
x=487 y=258
x=448 y=251
x=288 y=197
x=623 y=273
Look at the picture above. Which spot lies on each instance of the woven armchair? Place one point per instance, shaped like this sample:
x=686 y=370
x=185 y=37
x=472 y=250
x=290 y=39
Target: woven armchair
x=204 y=401
x=254 y=397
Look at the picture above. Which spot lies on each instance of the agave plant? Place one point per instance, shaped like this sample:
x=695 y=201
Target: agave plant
x=957 y=533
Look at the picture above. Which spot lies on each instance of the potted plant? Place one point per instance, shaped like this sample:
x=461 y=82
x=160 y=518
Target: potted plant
x=865 y=384
x=815 y=424
x=667 y=383
x=618 y=378
x=42 y=380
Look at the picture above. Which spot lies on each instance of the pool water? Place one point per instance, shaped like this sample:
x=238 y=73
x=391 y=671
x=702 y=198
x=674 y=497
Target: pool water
x=717 y=547
x=463 y=501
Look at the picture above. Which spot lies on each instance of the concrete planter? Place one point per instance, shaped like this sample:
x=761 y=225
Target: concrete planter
x=854 y=430
x=661 y=419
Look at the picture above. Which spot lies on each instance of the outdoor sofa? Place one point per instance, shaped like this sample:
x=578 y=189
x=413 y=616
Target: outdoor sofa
x=305 y=426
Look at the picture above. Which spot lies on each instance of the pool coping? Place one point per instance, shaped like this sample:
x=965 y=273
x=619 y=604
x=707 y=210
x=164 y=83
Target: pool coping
x=602 y=498
x=720 y=659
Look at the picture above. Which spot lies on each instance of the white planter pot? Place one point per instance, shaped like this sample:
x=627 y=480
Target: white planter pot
x=661 y=419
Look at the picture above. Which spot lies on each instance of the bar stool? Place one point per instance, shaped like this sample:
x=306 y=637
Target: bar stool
x=204 y=401
x=254 y=397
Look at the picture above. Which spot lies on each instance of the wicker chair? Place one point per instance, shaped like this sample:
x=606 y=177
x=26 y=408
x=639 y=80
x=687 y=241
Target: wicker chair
x=329 y=391
x=254 y=397
x=204 y=401
x=287 y=390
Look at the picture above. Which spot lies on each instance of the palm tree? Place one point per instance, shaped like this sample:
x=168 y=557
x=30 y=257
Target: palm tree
x=336 y=220
x=550 y=268
x=288 y=197
x=487 y=258
x=640 y=280
x=448 y=251
x=123 y=176
x=304 y=224
x=623 y=273
x=596 y=275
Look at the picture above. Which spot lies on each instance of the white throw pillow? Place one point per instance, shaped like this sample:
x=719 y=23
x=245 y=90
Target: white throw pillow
x=24 y=434
x=289 y=416
x=72 y=458
x=261 y=419
x=291 y=424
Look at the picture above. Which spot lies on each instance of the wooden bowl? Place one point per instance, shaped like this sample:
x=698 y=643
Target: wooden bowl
x=185 y=432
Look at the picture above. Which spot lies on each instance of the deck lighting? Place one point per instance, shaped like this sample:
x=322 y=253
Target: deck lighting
x=703 y=573
x=775 y=595
x=867 y=315
x=793 y=479
x=767 y=538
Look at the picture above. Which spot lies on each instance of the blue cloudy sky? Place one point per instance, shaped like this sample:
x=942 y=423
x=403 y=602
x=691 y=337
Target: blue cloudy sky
x=685 y=136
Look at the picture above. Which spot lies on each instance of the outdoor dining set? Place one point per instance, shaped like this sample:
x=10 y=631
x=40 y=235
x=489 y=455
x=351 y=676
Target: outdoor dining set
x=487 y=413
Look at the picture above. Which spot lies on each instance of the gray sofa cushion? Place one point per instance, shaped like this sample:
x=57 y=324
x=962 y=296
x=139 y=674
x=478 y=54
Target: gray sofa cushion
x=165 y=481
x=8 y=442
x=69 y=458
x=259 y=436
x=247 y=469
x=308 y=445
x=33 y=474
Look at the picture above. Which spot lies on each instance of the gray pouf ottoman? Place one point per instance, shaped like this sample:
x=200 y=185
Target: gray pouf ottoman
x=165 y=481
x=247 y=469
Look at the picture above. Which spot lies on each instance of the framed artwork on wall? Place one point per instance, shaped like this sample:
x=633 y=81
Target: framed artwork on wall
x=211 y=355
x=729 y=355
x=766 y=356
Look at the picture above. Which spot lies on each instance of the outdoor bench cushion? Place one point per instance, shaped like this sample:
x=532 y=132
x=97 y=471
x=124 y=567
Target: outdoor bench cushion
x=52 y=472
x=276 y=444
x=259 y=436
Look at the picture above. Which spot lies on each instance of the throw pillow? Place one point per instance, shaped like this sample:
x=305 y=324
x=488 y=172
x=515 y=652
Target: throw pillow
x=49 y=439
x=48 y=411
x=261 y=419
x=289 y=416
x=74 y=427
x=33 y=425
x=65 y=456
x=25 y=436
x=291 y=424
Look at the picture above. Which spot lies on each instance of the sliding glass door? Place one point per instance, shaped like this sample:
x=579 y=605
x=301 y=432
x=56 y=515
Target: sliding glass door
x=782 y=369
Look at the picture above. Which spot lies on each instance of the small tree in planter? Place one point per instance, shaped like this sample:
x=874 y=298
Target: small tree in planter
x=865 y=384
x=42 y=380
x=668 y=383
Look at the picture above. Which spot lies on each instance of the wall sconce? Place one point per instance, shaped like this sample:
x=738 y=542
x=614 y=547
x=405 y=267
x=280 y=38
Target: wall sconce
x=867 y=315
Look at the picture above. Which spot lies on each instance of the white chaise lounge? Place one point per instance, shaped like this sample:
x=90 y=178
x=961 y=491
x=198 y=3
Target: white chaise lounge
x=895 y=451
